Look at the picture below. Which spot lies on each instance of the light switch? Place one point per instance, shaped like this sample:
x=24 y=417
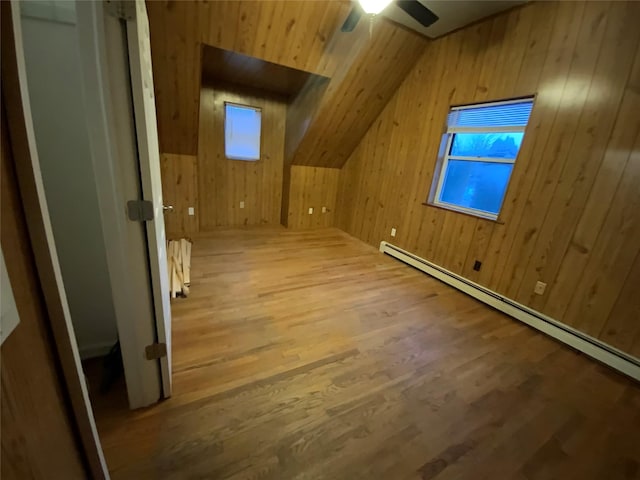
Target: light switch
x=310 y=210
x=241 y=203
x=192 y=211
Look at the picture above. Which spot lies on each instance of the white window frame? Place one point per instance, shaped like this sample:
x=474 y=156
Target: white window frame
x=450 y=134
x=224 y=133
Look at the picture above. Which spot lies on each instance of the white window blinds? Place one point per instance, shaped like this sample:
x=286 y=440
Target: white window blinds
x=498 y=116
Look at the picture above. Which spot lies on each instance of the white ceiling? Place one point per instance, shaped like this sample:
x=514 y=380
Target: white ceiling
x=453 y=14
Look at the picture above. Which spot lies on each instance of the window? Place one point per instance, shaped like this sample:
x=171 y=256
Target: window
x=481 y=146
x=242 y=132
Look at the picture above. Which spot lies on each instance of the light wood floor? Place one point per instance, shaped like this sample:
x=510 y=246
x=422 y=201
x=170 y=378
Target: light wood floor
x=309 y=355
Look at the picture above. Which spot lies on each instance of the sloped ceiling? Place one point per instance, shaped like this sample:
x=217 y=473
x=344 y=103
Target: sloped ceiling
x=326 y=120
x=224 y=66
x=374 y=60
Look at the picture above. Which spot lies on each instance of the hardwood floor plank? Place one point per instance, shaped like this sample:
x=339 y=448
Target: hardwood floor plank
x=309 y=355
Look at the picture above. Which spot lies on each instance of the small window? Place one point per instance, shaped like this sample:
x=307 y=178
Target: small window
x=481 y=146
x=242 y=132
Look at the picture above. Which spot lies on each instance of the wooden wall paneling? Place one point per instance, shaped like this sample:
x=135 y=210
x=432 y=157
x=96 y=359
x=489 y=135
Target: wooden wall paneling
x=557 y=144
x=224 y=183
x=582 y=153
x=544 y=32
x=300 y=112
x=430 y=125
x=229 y=67
x=610 y=261
x=180 y=189
x=511 y=59
x=567 y=217
x=622 y=326
x=365 y=69
x=291 y=33
x=477 y=249
x=536 y=54
x=448 y=59
x=38 y=431
x=469 y=66
x=558 y=53
x=360 y=88
x=596 y=208
x=313 y=187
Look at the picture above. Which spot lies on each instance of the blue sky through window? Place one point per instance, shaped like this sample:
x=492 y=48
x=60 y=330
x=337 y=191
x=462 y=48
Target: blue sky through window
x=242 y=132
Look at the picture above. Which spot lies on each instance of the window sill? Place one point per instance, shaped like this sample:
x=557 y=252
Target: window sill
x=468 y=214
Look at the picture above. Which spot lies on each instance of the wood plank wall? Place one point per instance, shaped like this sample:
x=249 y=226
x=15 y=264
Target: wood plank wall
x=373 y=63
x=311 y=187
x=329 y=118
x=224 y=183
x=571 y=217
x=294 y=33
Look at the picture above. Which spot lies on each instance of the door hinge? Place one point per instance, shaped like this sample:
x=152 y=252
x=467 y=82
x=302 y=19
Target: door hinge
x=124 y=9
x=155 y=351
x=140 y=210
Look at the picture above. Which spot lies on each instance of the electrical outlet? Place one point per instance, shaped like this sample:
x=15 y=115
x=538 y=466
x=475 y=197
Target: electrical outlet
x=310 y=210
x=192 y=211
x=539 y=288
x=324 y=209
x=393 y=232
x=477 y=265
x=241 y=203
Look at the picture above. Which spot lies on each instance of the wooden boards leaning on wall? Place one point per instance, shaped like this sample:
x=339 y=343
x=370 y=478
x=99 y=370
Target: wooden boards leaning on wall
x=179 y=266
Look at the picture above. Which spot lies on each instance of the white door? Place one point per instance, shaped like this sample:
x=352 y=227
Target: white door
x=149 y=157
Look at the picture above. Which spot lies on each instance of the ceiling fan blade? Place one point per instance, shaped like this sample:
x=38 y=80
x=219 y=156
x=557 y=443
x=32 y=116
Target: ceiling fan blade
x=352 y=19
x=418 y=11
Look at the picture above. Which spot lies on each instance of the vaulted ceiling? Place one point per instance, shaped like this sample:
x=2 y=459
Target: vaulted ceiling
x=224 y=66
x=327 y=118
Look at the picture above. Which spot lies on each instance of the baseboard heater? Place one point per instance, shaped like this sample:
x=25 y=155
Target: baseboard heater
x=596 y=349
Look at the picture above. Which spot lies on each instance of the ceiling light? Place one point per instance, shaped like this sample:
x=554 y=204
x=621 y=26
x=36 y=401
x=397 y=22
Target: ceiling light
x=374 y=7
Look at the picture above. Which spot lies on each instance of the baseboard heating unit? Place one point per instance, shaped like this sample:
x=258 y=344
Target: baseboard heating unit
x=596 y=349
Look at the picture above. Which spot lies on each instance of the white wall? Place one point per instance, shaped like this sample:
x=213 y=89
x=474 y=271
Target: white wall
x=59 y=117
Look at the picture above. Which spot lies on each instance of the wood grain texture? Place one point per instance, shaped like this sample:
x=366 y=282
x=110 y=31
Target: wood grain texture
x=373 y=63
x=224 y=183
x=309 y=354
x=38 y=430
x=180 y=190
x=225 y=66
x=290 y=33
x=312 y=187
x=570 y=216
x=365 y=69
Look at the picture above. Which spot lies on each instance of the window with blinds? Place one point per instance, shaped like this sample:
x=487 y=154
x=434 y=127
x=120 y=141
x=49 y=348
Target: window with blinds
x=242 y=127
x=482 y=144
